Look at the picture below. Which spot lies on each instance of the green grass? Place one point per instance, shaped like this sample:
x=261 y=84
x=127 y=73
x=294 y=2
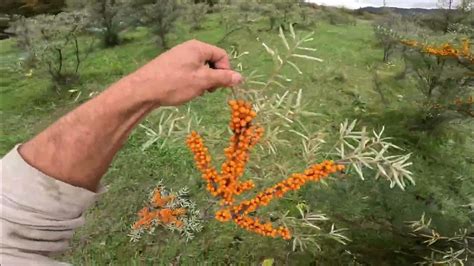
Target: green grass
x=340 y=88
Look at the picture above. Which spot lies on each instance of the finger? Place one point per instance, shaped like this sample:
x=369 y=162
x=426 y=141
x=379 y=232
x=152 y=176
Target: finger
x=217 y=56
x=221 y=78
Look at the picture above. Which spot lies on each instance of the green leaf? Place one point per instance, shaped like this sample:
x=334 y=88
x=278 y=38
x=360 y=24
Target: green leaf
x=268 y=262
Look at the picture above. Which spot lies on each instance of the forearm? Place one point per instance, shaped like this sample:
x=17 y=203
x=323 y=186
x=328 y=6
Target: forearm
x=79 y=147
x=43 y=196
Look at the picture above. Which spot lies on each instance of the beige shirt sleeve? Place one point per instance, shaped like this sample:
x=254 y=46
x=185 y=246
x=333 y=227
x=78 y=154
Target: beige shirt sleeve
x=38 y=213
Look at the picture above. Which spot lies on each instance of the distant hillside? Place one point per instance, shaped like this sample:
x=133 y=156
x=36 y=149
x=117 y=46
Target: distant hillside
x=402 y=11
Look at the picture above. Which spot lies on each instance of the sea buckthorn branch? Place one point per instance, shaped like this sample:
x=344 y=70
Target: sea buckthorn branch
x=463 y=53
x=462 y=106
x=364 y=149
x=161 y=213
x=293 y=47
x=446 y=250
x=162 y=216
x=226 y=184
x=173 y=211
x=281 y=108
x=239 y=212
x=172 y=123
x=308 y=231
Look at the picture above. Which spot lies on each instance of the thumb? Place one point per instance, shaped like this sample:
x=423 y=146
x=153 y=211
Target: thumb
x=222 y=78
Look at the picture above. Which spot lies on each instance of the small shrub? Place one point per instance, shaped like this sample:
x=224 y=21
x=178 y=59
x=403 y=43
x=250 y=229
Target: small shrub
x=388 y=39
x=197 y=14
x=273 y=17
x=305 y=16
x=22 y=29
x=337 y=17
x=161 y=16
x=442 y=75
x=246 y=9
x=53 y=41
x=105 y=17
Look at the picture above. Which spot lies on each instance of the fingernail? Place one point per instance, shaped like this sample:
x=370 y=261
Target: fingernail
x=236 y=79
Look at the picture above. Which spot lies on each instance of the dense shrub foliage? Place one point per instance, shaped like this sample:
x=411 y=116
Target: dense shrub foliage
x=53 y=40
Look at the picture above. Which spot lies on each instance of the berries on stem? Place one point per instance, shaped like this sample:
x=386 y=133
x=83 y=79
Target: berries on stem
x=226 y=184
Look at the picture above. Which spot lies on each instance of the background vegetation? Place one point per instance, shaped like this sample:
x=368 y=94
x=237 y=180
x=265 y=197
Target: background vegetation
x=366 y=75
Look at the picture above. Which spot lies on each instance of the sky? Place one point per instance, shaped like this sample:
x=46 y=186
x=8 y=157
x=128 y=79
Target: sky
x=363 y=3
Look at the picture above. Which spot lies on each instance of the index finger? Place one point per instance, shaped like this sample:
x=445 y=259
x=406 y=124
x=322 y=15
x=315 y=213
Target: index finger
x=214 y=54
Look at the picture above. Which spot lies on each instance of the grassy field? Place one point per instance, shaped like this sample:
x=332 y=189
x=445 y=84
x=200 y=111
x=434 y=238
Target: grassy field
x=340 y=88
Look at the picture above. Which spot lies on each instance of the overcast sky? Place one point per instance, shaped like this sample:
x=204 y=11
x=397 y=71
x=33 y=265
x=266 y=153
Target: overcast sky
x=364 y=3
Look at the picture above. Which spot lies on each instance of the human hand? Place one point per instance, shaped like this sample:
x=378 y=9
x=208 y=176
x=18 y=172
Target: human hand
x=182 y=73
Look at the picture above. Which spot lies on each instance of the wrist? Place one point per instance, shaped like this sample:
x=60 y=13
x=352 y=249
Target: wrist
x=133 y=90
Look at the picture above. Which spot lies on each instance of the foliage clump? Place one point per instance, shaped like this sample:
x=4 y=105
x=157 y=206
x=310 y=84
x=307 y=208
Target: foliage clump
x=161 y=16
x=53 y=41
x=107 y=19
x=442 y=74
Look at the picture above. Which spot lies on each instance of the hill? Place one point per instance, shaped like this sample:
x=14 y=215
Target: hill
x=402 y=11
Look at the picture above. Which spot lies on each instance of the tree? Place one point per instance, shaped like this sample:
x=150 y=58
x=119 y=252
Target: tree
x=105 y=16
x=388 y=39
x=196 y=15
x=53 y=41
x=441 y=72
x=161 y=16
x=385 y=34
x=448 y=13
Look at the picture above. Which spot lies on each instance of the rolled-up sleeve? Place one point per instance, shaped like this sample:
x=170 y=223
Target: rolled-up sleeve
x=38 y=213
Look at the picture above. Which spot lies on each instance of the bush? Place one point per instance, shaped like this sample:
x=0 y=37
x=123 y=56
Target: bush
x=23 y=32
x=105 y=16
x=362 y=14
x=386 y=38
x=53 y=41
x=386 y=33
x=161 y=16
x=305 y=16
x=444 y=19
x=196 y=15
x=337 y=17
x=248 y=8
x=442 y=75
x=281 y=13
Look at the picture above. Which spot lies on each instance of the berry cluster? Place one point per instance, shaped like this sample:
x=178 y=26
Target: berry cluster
x=239 y=212
x=445 y=50
x=264 y=229
x=226 y=184
x=159 y=213
x=201 y=153
x=242 y=115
